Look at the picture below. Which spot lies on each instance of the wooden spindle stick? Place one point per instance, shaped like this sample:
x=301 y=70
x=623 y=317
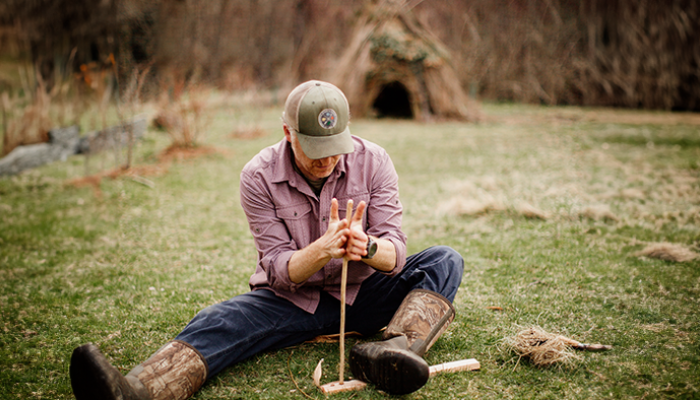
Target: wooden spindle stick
x=343 y=284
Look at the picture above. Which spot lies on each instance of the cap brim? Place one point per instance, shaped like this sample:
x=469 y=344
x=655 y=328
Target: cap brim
x=316 y=147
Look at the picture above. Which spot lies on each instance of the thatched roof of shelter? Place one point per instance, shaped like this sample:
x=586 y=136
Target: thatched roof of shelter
x=394 y=66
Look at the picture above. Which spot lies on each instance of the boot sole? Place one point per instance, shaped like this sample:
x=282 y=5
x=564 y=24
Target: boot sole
x=394 y=371
x=92 y=376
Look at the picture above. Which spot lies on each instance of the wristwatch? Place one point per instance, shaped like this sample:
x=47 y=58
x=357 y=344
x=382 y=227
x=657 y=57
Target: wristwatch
x=371 y=248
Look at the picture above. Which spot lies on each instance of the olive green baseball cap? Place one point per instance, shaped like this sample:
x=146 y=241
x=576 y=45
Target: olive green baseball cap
x=318 y=111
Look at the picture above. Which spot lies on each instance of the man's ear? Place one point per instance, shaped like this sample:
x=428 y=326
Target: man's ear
x=287 y=133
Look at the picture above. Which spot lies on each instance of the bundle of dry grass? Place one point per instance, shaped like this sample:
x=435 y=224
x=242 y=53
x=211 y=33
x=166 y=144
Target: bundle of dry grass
x=546 y=349
x=668 y=251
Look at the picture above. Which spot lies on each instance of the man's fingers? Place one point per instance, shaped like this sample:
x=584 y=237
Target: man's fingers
x=337 y=239
x=334 y=211
x=357 y=215
x=341 y=233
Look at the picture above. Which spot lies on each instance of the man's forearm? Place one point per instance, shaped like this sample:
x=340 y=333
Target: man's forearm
x=385 y=257
x=306 y=262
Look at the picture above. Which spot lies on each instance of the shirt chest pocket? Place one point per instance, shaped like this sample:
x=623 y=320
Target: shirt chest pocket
x=298 y=219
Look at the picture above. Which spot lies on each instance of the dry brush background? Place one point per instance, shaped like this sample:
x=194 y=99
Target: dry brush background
x=584 y=52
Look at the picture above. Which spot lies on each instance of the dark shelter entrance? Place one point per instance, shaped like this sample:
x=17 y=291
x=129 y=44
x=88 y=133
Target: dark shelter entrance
x=393 y=102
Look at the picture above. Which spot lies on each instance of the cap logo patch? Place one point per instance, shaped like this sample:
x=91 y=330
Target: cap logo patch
x=328 y=118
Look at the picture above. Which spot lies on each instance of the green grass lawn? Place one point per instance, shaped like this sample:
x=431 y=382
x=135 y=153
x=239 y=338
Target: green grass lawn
x=128 y=267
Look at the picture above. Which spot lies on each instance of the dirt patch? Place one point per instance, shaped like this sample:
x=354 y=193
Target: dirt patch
x=174 y=153
x=248 y=133
x=138 y=173
x=135 y=173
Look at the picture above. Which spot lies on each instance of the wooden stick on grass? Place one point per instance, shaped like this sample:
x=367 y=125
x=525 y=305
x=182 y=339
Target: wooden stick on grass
x=349 y=215
x=343 y=284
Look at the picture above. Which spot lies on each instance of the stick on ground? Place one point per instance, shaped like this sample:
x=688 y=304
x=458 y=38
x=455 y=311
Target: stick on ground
x=470 y=364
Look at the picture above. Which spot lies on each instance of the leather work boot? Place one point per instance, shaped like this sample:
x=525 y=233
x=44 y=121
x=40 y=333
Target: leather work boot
x=174 y=372
x=395 y=364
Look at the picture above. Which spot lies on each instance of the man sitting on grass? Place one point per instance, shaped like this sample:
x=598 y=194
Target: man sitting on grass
x=293 y=193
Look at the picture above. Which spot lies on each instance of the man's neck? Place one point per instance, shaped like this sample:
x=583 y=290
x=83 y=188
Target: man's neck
x=315 y=184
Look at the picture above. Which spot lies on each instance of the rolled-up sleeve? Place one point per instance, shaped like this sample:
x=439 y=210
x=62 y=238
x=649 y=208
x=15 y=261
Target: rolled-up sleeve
x=384 y=212
x=272 y=239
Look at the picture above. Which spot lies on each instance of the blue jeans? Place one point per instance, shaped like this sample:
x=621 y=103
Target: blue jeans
x=231 y=331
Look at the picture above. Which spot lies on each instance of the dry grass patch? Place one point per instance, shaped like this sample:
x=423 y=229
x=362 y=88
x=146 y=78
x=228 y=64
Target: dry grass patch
x=527 y=210
x=668 y=252
x=460 y=206
x=598 y=213
x=632 y=194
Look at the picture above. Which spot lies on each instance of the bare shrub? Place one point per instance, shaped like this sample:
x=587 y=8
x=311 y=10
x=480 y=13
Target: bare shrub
x=31 y=123
x=96 y=83
x=183 y=111
x=632 y=54
x=130 y=103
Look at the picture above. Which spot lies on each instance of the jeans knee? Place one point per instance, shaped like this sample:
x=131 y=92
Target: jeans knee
x=451 y=259
x=452 y=266
x=212 y=309
x=211 y=313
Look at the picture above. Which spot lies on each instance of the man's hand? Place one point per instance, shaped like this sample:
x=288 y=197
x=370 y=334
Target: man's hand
x=356 y=246
x=310 y=259
x=333 y=242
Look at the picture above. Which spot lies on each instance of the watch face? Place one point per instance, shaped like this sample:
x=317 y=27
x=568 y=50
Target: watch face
x=371 y=248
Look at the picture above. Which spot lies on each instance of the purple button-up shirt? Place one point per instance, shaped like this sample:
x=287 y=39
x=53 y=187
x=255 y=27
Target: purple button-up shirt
x=285 y=215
